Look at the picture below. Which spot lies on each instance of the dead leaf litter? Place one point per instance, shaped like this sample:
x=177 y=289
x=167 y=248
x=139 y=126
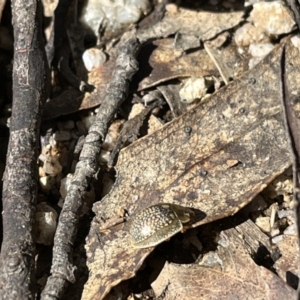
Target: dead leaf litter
x=200 y=128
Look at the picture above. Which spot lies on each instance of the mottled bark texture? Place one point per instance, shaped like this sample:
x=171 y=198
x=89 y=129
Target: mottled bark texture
x=30 y=77
x=62 y=269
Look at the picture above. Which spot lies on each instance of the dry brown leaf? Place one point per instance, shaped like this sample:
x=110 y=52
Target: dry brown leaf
x=203 y=24
x=165 y=63
x=235 y=277
x=171 y=94
x=73 y=100
x=241 y=122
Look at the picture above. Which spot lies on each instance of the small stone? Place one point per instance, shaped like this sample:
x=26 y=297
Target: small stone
x=136 y=110
x=154 y=124
x=118 y=13
x=274 y=17
x=46 y=217
x=62 y=136
x=93 y=58
x=296 y=41
x=42 y=172
x=194 y=88
x=64 y=185
x=263 y=223
x=290 y=230
x=277 y=239
x=51 y=158
x=104 y=156
x=292 y=204
x=275 y=232
x=260 y=50
x=211 y=259
x=249 y=34
x=284 y=213
x=172 y=8
x=46 y=183
x=52 y=142
x=281 y=186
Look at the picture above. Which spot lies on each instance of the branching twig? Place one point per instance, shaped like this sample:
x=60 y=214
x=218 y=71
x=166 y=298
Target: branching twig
x=62 y=264
x=30 y=89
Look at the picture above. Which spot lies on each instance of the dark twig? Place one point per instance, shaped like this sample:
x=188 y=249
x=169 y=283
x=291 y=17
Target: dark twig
x=292 y=125
x=64 y=53
x=62 y=263
x=76 y=34
x=58 y=48
x=131 y=131
x=59 y=33
x=30 y=89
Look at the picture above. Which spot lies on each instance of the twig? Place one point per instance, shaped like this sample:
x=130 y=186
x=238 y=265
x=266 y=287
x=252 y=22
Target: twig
x=30 y=89
x=62 y=263
x=58 y=48
x=292 y=125
x=76 y=34
x=58 y=33
x=131 y=131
